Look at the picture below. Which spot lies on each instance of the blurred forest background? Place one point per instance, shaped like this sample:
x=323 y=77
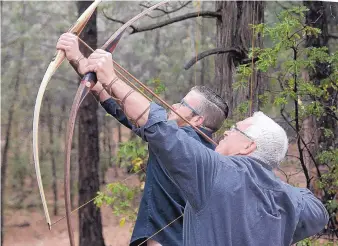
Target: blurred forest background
x=285 y=65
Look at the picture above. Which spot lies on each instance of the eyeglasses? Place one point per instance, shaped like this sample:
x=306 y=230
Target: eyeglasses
x=234 y=128
x=184 y=103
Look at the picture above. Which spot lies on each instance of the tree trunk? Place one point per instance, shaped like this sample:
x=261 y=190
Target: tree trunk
x=90 y=231
x=111 y=148
x=4 y=159
x=51 y=152
x=119 y=132
x=317 y=17
x=233 y=31
x=105 y=143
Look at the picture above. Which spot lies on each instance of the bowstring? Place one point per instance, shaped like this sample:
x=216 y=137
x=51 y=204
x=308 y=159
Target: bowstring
x=86 y=203
x=129 y=82
x=161 y=229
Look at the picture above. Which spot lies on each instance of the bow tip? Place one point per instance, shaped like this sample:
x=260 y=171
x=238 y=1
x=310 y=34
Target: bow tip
x=49 y=226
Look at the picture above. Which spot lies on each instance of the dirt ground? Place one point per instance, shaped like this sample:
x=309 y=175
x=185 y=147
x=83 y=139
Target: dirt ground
x=27 y=227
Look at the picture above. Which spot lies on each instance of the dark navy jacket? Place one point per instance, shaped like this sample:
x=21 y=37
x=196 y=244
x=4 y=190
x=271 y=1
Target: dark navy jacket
x=162 y=200
x=231 y=200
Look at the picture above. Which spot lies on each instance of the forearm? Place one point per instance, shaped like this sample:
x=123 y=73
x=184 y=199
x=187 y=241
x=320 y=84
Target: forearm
x=100 y=93
x=313 y=216
x=134 y=104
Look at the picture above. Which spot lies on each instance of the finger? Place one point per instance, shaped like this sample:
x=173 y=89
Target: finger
x=101 y=51
x=93 y=61
x=65 y=38
x=105 y=53
x=89 y=68
x=65 y=43
x=68 y=35
x=95 y=56
x=62 y=47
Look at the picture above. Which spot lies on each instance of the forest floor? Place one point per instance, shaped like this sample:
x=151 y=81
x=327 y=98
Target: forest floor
x=27 y=226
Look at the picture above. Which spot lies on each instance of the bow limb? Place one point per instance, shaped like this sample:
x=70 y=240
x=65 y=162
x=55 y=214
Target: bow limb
x=112 y=42
x=82 y=91
x=80 y=95
x=53 y=66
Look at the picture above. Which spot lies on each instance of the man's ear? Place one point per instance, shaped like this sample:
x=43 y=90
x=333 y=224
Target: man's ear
x=251 y=147
x=199 y=120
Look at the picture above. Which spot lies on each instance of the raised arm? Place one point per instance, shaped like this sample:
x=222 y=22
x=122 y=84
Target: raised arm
x=69 y=43
x=189 y=163
x=110 y=105
x=313 y=217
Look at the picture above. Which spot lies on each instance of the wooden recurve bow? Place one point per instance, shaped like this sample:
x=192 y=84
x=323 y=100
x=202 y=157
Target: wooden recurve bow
x=82 y=92
x=53 y=66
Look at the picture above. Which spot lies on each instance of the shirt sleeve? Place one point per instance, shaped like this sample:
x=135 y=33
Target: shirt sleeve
x=115 y=110
x=190 y=164
x=313 y=216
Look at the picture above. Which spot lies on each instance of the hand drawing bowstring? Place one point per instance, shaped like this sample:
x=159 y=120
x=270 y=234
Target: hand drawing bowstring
x=120 y=72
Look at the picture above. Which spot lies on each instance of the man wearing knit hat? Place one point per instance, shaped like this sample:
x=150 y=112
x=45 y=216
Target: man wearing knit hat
x=233 y=197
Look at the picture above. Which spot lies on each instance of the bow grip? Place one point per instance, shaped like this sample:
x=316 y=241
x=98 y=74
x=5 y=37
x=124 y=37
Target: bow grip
x=89 y=77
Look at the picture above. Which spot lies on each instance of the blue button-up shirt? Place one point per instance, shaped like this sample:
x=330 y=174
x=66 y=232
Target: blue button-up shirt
x=231 y=200
x=162 y=201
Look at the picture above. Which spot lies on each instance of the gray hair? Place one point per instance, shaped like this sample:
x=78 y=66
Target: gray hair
x=212 y=107
x=270 y=138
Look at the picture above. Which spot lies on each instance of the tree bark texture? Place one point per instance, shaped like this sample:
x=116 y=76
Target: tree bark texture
x=90 y=231
x=318 y=16
x=233 y=31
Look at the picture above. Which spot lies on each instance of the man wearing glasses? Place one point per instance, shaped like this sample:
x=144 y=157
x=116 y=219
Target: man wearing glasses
x=162 y=201
x=233 y=197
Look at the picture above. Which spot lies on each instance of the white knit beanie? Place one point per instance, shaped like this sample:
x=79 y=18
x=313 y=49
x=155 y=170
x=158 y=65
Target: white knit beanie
x=270 y=138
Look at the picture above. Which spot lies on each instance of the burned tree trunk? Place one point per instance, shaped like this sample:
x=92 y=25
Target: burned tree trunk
x=235 y=34
x=90 y=231
x=315 y=129
x=317 y=17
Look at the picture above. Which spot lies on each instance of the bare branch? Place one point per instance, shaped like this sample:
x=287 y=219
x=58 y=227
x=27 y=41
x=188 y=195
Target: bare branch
x=204 y=54
x=285 y=174
x=293 y=156
x=333 y=36
x=165 y=12
x=206 y=14
x=302 y=140
x=248 y=60
x=118 y=21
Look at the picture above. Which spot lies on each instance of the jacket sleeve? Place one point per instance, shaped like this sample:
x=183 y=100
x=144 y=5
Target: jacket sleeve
x=190 y=164
x=313 y=216
x=115 y=110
